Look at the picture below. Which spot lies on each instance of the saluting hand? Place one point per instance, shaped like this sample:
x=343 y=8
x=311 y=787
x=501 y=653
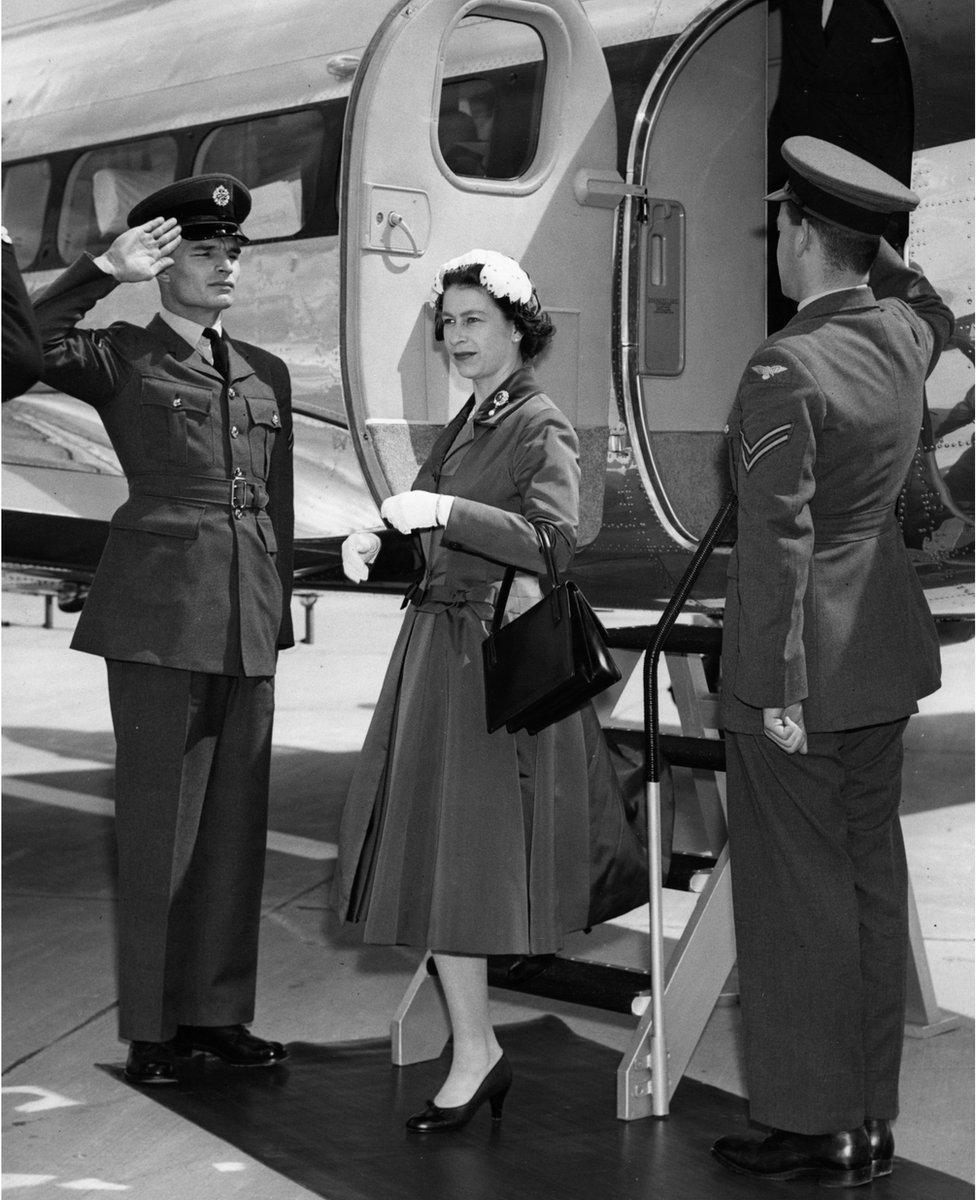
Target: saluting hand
x=785 y=728
x=142 y=252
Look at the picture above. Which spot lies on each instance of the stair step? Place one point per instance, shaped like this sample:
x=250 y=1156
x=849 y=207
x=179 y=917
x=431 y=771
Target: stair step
x=683 y=639
x=693 y=752
x=575 y=980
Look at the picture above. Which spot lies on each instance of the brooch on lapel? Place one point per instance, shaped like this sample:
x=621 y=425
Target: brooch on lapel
x=500 y=400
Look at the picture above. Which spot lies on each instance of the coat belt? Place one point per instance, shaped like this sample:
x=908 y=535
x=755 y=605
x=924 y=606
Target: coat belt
x=238 y=493
x=440 y=593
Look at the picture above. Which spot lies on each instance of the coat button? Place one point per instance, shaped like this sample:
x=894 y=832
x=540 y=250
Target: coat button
x=177 y=403
x=231 y=393
x=234 y=431
x=274 y=419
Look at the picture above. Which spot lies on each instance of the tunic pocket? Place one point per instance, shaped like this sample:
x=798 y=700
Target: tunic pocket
x=152 y=514
x=177 y=430
x=265 y=424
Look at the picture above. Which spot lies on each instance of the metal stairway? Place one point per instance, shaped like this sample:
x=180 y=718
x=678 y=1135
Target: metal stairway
x=675 y=997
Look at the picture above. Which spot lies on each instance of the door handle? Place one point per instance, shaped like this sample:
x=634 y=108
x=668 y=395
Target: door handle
x=396 y=221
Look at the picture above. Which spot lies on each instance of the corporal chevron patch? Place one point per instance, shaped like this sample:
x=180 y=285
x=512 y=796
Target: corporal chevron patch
x=767 y=372
x=753 y=452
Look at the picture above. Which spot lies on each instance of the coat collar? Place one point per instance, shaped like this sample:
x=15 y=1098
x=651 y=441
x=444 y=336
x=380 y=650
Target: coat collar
x=183 y=352
x=847 y=300
x=512 y=394
x=240 y=368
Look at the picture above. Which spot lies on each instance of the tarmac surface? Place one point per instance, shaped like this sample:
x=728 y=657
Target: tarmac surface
x=70 y=1128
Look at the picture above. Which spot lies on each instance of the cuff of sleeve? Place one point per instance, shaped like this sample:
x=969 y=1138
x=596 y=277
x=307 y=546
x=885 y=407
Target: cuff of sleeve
x=442 y=510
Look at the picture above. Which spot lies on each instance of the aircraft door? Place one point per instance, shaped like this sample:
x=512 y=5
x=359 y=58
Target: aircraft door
x=471 y=125
x=693 y=271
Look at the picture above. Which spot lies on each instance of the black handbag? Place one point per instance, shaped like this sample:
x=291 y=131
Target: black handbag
x=548 y=662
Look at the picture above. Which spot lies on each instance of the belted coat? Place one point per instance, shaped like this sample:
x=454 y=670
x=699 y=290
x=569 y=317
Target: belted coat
x=193 y=576
x=823 y=605
x=453 y=838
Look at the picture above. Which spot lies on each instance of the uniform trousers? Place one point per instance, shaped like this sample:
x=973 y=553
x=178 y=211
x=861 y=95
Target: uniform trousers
x=819 y=886
x=193 y=755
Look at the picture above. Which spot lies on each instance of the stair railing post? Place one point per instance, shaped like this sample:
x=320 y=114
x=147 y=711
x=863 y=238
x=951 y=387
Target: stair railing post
x=652 y=794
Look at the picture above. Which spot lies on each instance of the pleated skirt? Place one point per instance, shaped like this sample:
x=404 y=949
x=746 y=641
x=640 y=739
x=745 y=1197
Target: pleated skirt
x=453 y=839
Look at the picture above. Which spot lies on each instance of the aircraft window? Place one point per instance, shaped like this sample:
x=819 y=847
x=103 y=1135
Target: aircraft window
x=25 y=191
x=102 y=188
x=278 y=158
x=488 y=125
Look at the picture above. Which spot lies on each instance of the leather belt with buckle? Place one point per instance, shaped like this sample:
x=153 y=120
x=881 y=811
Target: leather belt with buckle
x=237 y=494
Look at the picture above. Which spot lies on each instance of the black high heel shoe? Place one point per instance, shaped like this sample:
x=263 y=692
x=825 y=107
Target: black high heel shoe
x=493 y=1088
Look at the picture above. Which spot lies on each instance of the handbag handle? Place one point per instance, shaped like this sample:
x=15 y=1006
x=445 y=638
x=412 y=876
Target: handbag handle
x=544 y=533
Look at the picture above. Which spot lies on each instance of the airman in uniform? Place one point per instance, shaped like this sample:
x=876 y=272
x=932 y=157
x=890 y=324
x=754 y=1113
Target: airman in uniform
x=828 y=646
x=189 y=606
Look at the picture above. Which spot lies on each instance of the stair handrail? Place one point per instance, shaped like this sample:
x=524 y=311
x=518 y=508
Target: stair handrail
x=652 y=793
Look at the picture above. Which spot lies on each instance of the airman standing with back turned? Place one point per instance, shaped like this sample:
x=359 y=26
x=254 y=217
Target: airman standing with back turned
x=828 y=646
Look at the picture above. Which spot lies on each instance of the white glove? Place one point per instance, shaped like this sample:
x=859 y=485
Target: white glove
x=358 y=550
x=416 y=510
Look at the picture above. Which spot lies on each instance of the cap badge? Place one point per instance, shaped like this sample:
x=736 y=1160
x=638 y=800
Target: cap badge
x=765 y=372
x=221 y=195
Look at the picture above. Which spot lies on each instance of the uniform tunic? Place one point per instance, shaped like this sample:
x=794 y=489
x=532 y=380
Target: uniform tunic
x=189 y=605
x=452 y=838
x=823 y=608
x=181 y=582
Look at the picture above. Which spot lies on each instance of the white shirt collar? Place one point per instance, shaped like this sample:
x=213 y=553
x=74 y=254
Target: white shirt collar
x=830 y=292
x=189 y=331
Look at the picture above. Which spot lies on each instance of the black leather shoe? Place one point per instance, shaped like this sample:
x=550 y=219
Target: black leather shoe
x=493 y=1088
x=833 y=1159
x=882 y=1142
x=231 y=1043
x=151 y=1062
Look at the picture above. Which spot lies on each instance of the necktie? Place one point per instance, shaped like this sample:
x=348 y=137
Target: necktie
x=218 y=348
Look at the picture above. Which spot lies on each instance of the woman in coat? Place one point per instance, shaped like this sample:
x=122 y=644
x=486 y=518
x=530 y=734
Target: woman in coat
x=457 y=840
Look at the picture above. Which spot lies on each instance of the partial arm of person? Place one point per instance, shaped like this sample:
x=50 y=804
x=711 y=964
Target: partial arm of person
x=22 y=358
x=82 y=362
x=546 y=471
x=281 y=498
x=780 y=411
x=892 y=277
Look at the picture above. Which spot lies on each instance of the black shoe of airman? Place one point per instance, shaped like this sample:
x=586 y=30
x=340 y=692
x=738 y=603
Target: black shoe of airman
x=882 y=1142
x=233 y=1044
x=832 y=1159
x=151 y=1062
